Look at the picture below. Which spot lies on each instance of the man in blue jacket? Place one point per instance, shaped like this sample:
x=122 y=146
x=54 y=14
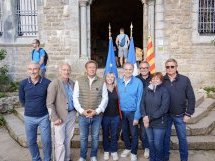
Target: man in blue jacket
x=182 y=106
x=32 y=95
x=130 y=90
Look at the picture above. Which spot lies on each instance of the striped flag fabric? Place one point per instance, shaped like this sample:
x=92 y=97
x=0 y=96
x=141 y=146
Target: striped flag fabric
x=150 y=56
x=132 y=56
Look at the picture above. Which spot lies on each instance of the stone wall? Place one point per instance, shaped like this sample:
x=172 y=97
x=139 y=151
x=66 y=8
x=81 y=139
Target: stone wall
x=7 y=104
x=195 y=60
x=58 y=23
x=59 y=32
x=17 y=59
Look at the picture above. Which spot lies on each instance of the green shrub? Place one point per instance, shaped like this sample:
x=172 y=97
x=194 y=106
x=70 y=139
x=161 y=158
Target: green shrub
x=2 y=94
x=6 y=84
x=3 y=53
x=2 y=121
x=209 y=89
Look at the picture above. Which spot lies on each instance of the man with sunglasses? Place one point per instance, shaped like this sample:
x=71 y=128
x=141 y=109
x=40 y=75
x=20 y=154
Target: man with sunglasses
x=182 y=106
x=145 y=78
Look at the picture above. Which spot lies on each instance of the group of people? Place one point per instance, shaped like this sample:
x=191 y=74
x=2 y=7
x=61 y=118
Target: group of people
x=152 y=101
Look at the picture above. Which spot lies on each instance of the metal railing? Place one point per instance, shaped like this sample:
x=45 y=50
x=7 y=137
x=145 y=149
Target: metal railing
x=206 y=24
x=27 y=17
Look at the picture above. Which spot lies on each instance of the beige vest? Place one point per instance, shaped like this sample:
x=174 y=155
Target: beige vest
x=90 y=97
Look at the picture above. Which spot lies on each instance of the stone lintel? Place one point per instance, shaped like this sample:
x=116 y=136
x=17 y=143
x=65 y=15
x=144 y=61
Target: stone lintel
x=83 y=3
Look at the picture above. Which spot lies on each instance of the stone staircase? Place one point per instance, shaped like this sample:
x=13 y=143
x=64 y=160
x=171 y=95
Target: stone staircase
x=200 y=129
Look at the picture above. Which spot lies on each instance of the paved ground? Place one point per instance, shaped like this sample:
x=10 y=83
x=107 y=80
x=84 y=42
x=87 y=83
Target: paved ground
x=11 y=151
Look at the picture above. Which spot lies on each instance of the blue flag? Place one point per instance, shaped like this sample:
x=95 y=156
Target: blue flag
x=111 y=62
x=132 y=57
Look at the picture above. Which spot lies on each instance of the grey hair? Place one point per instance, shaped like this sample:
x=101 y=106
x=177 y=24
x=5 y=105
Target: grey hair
x=67 y=64
x=34 y=63
x=128 y=63
x=171 y=60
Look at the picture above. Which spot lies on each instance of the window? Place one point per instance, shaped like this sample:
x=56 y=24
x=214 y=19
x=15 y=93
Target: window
x=27 y=17
x=1 y=22
x=206 y=18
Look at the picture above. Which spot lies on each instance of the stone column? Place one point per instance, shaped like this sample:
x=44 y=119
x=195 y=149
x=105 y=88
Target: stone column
x=145 y=25
x=83 y=8
x=88 y=32
x=151 y=19
x=8 y=21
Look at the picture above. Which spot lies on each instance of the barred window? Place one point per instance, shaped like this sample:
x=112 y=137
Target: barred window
x=27 y=17
x=206 y=17
x=1 y=20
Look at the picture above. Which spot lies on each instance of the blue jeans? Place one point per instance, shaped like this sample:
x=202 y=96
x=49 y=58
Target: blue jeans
x=129 y=130
x=31 y=126
x=143 y=135
x=156 y=143
x=110 y=126
x=180 y=127
x=85 y=124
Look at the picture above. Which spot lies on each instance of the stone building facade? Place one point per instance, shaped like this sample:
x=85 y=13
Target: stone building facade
x=64 y=31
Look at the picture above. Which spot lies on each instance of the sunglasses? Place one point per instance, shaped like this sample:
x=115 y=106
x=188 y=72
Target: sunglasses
x=168 y=67
x=144 y=68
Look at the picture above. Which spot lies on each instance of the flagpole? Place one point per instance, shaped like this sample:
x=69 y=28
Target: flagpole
x=131 y=30
x=111 y=62
x=109 y=28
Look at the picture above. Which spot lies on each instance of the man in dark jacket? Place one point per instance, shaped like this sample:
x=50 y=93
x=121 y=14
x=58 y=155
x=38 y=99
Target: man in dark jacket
x=145 y=78
x=182 y=106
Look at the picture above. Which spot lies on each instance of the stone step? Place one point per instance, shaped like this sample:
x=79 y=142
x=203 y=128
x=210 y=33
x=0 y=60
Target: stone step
x=16 y=130
x=199 y=98
x=202 y=110
x=203 y=127
x=76 y=142
x=19 y=112
x=196 y=142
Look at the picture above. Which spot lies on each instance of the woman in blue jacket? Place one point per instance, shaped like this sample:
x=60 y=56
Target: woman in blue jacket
x=155 y=105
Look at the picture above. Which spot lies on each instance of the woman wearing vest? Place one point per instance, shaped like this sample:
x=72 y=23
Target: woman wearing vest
x=155 y=105
x=111 y=119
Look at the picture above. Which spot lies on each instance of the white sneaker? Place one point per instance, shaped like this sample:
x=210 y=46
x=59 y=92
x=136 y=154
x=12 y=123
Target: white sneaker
x=106 y=155
x=115 y=156
x=146 y=153
x=82 y=159
x=133 y=157
x=93 y=159
x=125 y=153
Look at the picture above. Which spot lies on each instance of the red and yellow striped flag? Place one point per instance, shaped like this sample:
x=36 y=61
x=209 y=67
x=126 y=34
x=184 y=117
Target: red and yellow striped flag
x=150 y=56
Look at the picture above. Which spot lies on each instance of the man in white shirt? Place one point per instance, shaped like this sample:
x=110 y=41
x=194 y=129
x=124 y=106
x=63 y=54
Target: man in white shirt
x=90 y=100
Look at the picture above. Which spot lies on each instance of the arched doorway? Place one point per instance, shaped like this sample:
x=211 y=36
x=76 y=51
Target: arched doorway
x=119 y=13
